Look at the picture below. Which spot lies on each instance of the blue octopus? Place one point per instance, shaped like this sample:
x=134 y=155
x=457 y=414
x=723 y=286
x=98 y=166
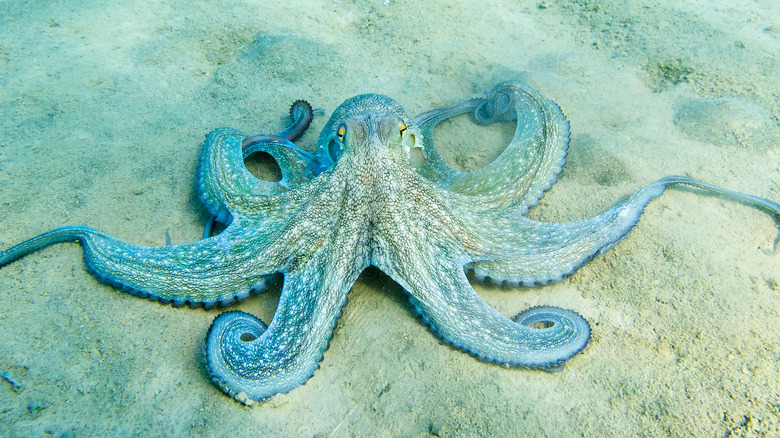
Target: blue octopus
x=375 y=193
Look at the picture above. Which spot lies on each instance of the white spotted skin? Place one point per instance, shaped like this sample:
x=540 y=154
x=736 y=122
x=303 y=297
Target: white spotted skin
x=376 y=203
x=371 y=207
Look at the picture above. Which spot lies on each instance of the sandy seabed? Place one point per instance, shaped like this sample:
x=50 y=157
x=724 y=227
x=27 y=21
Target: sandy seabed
x=103 y=109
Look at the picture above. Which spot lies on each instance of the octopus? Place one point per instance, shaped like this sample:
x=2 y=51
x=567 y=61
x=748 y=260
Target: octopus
x=375 y=192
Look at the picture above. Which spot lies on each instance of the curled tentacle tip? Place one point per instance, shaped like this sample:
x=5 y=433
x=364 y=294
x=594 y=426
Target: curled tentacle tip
x=302 y=105
x=569 y=334
x=227 y=335
x=774 y=250
x=299 y=105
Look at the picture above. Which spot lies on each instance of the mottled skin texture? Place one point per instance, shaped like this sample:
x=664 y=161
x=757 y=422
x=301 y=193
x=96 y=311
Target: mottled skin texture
x=373 y=208
x=376 y=193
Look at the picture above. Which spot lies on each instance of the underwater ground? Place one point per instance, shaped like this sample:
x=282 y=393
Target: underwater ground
x=103 y=110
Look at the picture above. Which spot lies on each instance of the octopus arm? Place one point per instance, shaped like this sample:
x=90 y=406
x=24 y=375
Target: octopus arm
x=539 y=337
x=527 y=168
x=210 y=272
x=435 y=169
x=225 y=185
x=251 y=361
x=519 y=250
x=298 y=166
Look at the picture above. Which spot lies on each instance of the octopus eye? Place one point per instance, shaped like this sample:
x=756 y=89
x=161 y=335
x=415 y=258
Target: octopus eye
x=402 y=128
x=342 y=131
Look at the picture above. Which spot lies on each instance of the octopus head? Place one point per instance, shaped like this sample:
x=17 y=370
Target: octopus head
x=371 y=124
